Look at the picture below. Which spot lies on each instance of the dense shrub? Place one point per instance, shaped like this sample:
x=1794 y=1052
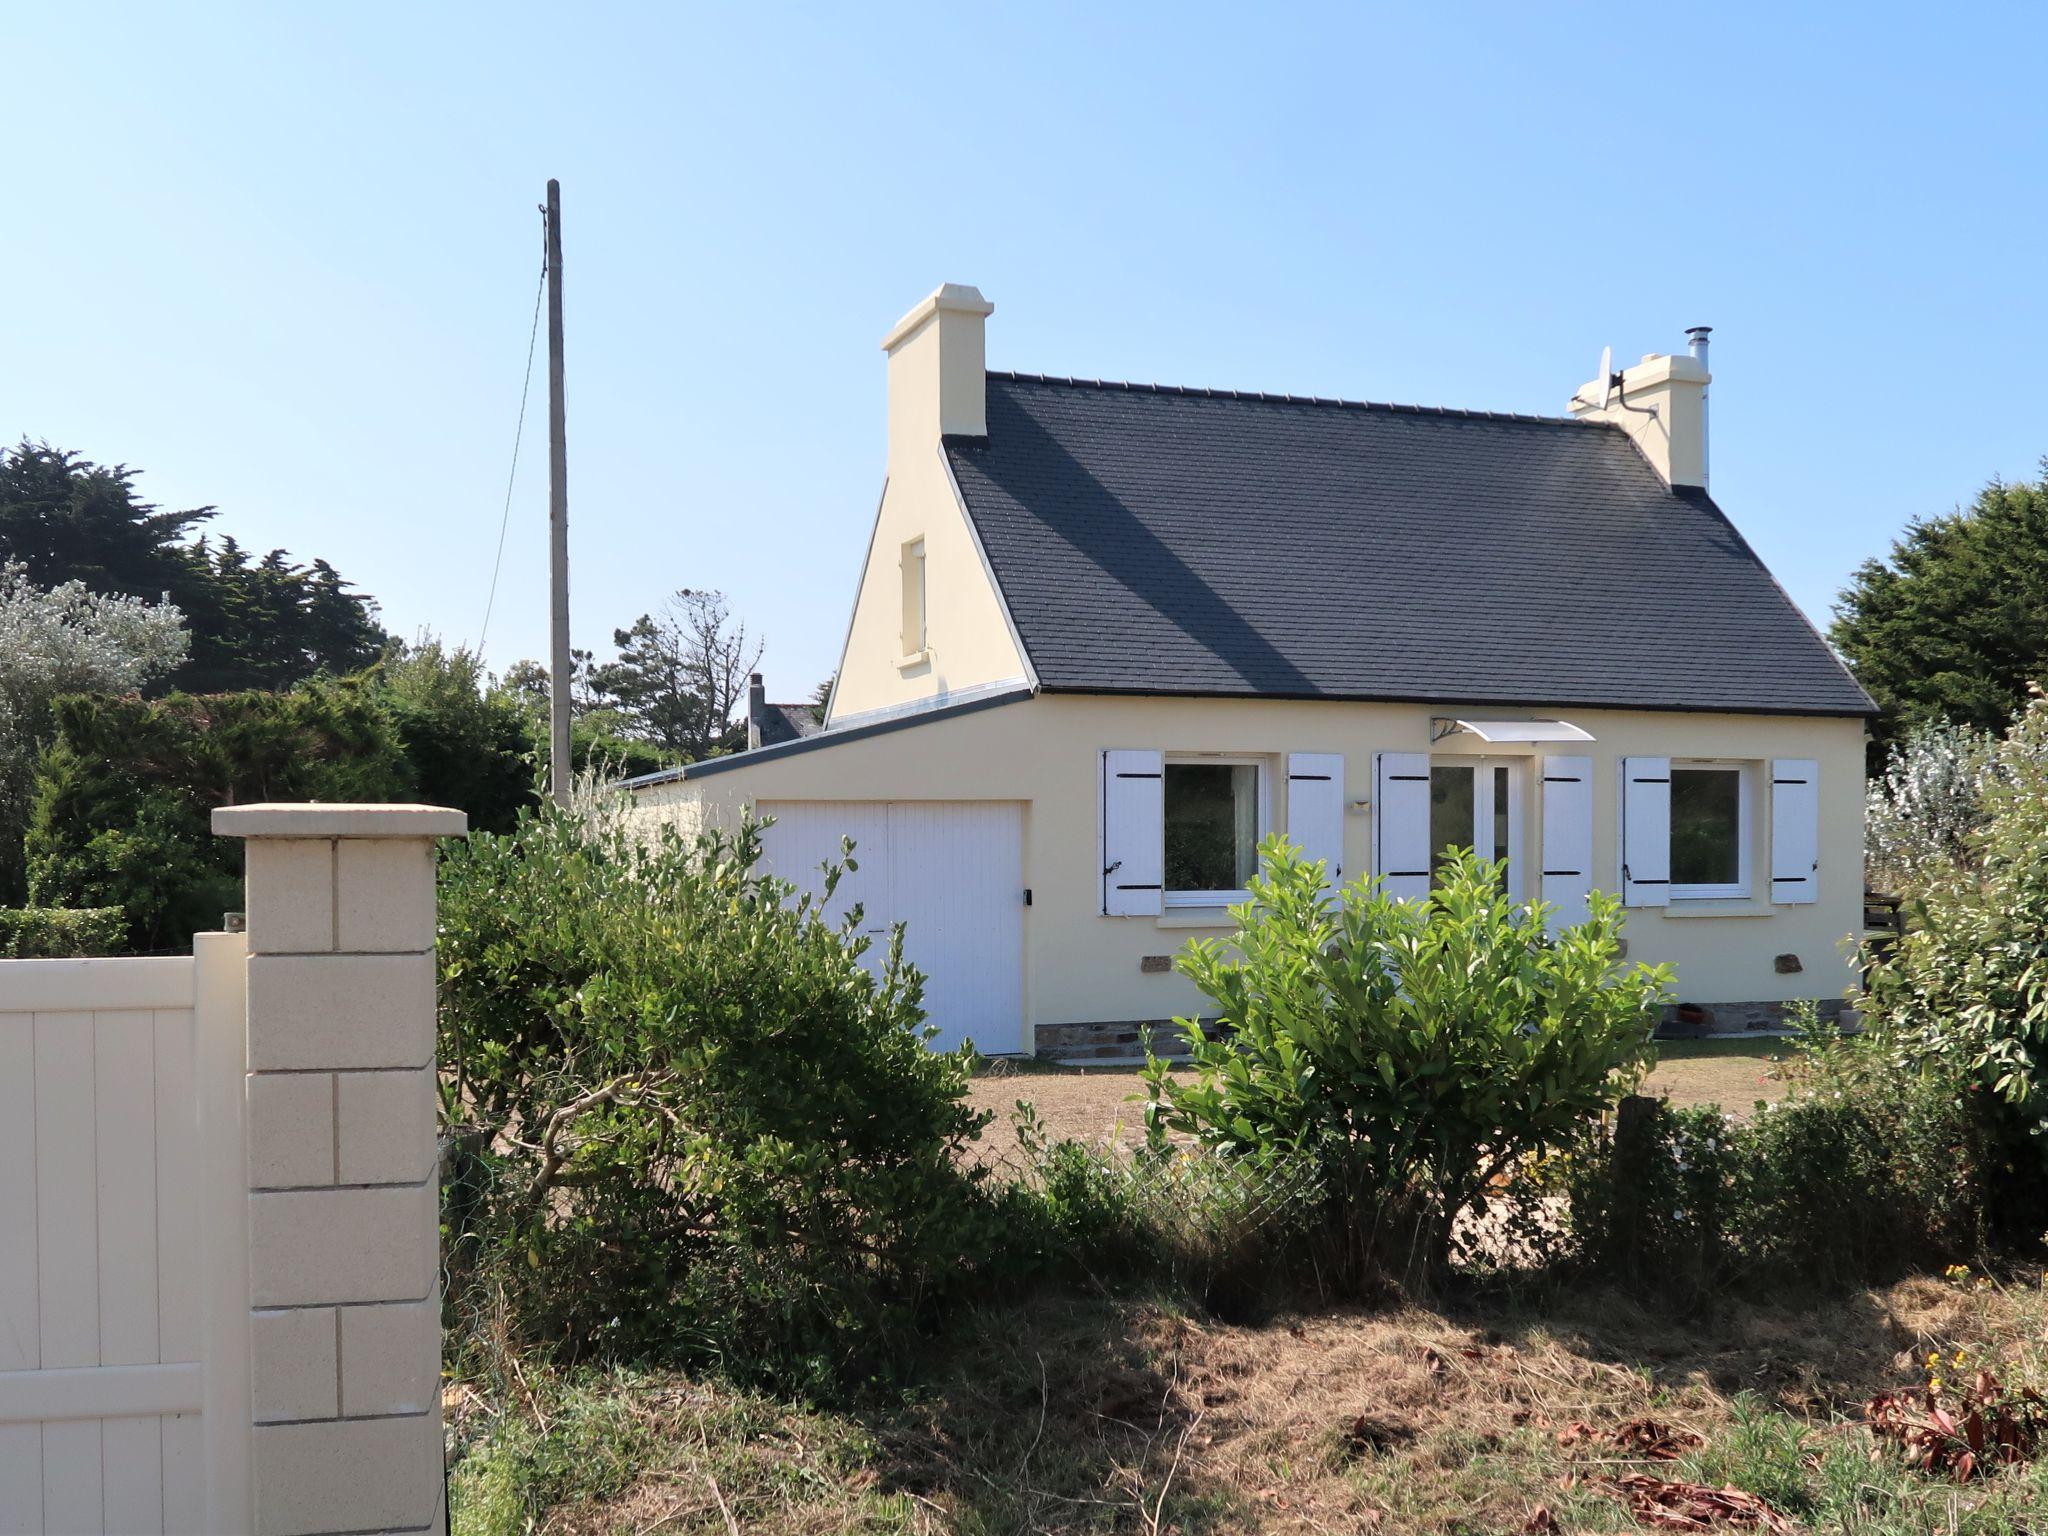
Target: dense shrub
x=36 y=933
x=469 y=745
x=1865 y=1171
x=1968 y=988
x=699 y=1119
x=1415 y=1051
x=126 y=790
x=1647 y=1197
x=1862 y=1172
x=1230 y=1233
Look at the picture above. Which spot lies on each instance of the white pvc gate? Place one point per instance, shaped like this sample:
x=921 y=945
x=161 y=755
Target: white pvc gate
x=123 y=1399
x=951 y=871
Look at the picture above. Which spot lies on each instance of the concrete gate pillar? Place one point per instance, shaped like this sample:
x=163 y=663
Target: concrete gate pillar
x=343 y=1189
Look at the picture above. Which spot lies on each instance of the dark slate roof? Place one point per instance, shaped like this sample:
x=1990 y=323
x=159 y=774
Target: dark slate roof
x=1180 y=541
x=787 y=722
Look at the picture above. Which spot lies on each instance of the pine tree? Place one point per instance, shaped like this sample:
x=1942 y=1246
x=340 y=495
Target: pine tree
x=1953 y=627
x=681 y=675
x=261 y=623
x=63 y=518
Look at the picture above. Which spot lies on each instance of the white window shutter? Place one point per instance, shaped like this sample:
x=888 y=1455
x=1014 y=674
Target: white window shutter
x=1133 y=832
x=1795 y=830
x=1646 y=831
x=1400 y=824
x=1567 y=838
x=1315 y=809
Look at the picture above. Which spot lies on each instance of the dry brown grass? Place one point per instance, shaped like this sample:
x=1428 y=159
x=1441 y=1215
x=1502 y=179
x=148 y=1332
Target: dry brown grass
x=1082 y=1418
x=1089 y=1104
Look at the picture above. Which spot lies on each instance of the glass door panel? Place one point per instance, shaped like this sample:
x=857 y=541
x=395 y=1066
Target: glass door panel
x=1453 y=811
x=1476 y=804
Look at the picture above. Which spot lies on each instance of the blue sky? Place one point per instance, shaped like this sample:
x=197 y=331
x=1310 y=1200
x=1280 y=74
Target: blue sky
x=284 y=259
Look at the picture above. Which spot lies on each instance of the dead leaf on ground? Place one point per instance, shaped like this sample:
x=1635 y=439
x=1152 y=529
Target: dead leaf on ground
x=1645 y=1439
x=1366 y=1433
x=1670 y=1506
x=1654 y=1440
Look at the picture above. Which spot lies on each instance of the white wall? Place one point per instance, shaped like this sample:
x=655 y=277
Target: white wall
x=937 y=385
x=1083 y=967
x=969 y=646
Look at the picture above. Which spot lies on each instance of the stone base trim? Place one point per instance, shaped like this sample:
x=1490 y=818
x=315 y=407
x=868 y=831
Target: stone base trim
x=1116 y=1040
x=1743 y=1018
x=1125 y=1039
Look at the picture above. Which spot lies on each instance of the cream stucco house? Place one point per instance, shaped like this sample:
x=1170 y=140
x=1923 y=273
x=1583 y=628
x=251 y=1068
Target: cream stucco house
x=1108 y=635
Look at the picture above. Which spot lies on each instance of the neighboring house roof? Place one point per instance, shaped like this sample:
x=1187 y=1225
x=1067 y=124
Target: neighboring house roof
x=1182 y=541
x=786 y=722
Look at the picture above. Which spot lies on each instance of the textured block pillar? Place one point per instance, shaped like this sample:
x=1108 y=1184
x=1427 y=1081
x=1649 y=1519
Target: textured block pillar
x=344 y=1253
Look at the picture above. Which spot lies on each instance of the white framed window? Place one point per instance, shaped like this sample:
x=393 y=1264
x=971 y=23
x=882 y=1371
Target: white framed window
x=1710 y=822
x=1213 y=817
x=916 y=638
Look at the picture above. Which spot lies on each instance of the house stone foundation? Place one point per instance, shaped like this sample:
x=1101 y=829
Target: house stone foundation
x=1744 y=1018
x=1124 y=1040
x=1116 y=1040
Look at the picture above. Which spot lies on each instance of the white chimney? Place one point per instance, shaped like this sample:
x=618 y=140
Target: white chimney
x=1698 y=335
x=1662 y=404
x=938 y=371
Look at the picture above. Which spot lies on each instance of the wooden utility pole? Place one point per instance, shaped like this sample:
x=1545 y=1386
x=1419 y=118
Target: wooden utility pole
x=561 y=664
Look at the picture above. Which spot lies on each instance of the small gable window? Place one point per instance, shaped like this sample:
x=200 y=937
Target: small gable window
x=1213 y=814
x=916 y=640
x=1709 y=830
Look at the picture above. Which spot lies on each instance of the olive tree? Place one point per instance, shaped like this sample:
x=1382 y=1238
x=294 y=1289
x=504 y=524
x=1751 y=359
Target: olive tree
x=1922 y=813
x=60 y=640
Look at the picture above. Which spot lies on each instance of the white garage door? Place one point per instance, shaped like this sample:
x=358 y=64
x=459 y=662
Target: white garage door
x=951 y=871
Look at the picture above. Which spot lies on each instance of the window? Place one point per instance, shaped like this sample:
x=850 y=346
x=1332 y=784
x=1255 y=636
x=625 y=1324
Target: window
x=915 y=639
x=1213 y=814
x=1709 y=831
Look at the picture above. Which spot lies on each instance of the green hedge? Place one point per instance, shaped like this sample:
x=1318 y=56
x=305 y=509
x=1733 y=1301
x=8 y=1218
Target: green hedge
x=1864 y=1172
x=62 y=933
x=126 y=791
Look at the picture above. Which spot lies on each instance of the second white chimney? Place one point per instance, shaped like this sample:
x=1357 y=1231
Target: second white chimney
x=938 y=370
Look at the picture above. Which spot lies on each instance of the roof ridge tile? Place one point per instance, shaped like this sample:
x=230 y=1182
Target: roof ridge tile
x=1210 y=392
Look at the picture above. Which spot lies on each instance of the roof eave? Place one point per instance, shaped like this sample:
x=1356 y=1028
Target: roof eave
x=1463 y=701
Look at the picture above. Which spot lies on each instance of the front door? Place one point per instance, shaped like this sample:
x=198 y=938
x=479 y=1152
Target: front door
x=1476 y=803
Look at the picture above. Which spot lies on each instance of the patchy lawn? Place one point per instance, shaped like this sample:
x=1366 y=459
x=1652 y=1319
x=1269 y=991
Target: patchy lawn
x=1731 y=1073
x=1096 y=1104
x=1092 y=1417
